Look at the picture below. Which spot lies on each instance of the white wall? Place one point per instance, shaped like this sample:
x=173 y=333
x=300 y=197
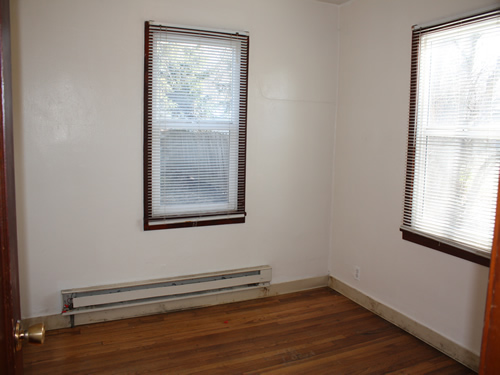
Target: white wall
x=442 y=292
x=78 y=84
x=78 y=71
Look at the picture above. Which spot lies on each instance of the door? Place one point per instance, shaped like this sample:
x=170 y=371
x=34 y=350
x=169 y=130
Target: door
x=10 y=358
x=490 y=349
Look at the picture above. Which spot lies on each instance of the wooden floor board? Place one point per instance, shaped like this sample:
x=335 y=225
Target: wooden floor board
x=313 y=332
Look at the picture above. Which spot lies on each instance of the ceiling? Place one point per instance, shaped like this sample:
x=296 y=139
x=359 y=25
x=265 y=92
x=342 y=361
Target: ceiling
x=338 y=2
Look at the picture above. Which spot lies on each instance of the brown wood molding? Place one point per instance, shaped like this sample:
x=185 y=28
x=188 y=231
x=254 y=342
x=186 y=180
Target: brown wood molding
x=490 y=347
x=10 y=359
x=153 y=32
x=189 y=224
x=444 y=248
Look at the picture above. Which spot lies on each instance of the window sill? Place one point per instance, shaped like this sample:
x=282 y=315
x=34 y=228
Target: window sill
x=445 y=248
x=192 y=223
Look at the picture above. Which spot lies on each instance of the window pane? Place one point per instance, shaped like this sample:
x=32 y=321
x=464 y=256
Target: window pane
x=452 y=197
x=195 y=169
x=197 y=78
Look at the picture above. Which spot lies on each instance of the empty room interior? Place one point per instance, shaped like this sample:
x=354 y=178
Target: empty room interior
x=327 y=107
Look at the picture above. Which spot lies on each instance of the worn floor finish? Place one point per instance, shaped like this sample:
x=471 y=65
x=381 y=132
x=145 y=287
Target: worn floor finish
x=312 y=332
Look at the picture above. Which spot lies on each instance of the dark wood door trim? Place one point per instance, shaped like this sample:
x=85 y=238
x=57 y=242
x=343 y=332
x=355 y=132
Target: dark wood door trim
x=10 y=359
x=490 y=347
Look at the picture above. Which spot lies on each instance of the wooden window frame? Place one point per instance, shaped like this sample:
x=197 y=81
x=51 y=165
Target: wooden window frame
x=410 y=235
x=152 y=222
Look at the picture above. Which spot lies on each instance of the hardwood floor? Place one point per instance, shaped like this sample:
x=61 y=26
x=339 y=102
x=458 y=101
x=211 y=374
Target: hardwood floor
x=312 y=332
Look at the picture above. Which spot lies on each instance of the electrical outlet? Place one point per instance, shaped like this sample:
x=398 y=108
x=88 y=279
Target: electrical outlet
x=357 y=273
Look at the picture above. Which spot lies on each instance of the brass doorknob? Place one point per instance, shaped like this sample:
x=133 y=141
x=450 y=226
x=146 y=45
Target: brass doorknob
x=34 y=334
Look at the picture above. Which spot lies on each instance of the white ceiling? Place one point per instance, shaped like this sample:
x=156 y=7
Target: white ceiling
x=338 y=2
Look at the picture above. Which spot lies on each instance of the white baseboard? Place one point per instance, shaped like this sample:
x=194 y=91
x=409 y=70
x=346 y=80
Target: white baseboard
x=58 y=321
x=418 y=330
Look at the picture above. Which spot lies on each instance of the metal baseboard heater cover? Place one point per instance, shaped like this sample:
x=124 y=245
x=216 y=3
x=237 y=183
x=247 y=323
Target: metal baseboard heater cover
x=106 y=297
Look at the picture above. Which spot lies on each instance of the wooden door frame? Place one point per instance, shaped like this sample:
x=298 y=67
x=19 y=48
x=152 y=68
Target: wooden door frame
x=490 y=347
x=10 y=359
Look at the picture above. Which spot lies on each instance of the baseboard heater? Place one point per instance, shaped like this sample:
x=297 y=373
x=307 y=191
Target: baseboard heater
x=106 y=297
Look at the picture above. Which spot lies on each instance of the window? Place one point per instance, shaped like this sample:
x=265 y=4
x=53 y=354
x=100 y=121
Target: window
x=454 y=137
x=195 y=101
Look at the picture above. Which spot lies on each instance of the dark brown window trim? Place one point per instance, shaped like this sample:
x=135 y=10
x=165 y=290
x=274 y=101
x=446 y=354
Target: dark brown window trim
x=200 y=223
x=410 y=169
x=194 y=220
x=445 y=248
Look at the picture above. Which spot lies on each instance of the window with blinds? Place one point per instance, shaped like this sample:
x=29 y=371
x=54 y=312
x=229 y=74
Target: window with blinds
x=195 y=126
x=454 y=137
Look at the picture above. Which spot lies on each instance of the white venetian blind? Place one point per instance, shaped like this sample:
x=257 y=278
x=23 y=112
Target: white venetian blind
x=454 y=139
x=196 y=139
